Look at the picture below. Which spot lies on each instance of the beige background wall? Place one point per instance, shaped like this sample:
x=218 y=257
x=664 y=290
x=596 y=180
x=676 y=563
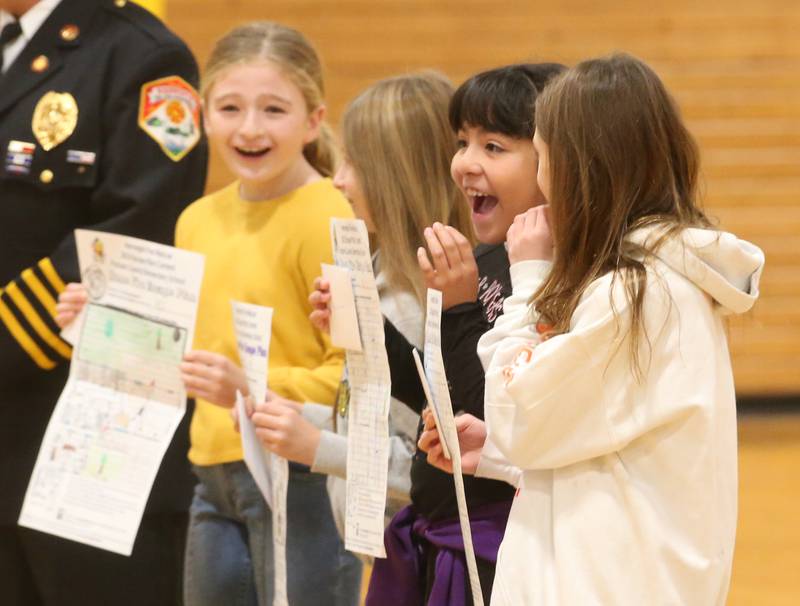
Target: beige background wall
x=733 y=66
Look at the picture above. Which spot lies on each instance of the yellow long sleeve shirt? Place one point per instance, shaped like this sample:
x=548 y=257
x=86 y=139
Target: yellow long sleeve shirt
x=265 y=253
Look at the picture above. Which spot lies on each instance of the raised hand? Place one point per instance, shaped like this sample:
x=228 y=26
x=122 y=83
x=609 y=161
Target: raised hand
x=451 y=267
x=529 y=236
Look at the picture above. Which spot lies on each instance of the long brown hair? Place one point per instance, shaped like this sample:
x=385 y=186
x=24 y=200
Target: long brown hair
x=293 y=53
x=397 y=137
x=620 y=158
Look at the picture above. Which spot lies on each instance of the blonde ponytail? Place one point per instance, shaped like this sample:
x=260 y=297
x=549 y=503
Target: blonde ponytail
x=323 y=153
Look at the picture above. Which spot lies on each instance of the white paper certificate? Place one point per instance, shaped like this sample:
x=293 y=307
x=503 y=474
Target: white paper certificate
x=344 y=316
x=370 y=389
x=426 y=389
x=253 y=328
x=434 y=369
x=124 y=397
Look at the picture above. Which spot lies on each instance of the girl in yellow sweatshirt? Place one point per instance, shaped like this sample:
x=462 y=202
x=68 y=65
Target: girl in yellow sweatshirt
x=264 y=237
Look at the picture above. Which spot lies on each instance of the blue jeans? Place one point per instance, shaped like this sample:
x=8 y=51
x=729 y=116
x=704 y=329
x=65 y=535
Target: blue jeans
x=229 y=547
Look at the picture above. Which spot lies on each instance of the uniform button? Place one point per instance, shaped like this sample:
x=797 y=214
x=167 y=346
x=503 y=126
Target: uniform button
x=70 y=32
x=46 y=176
x=40 y=63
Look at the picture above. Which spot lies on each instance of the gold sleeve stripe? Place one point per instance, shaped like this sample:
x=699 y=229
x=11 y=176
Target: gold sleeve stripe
x=51 y=274
x=42 y=329
x=40 y=291
x=24 y=340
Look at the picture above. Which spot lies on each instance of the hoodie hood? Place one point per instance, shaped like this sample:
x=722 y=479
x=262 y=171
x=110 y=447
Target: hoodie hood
x=717 y=262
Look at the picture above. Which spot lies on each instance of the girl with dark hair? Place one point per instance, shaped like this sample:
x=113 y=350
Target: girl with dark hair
x=495 y=169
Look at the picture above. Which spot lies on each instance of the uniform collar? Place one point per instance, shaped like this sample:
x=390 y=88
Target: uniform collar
x=32 y=20
x=48 y=46
x=30 y=23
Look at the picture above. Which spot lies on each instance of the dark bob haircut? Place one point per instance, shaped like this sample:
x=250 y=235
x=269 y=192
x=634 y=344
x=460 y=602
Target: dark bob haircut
x=502 y=100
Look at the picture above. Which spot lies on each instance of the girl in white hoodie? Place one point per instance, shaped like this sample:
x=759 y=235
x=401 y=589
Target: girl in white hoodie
x=609 y=393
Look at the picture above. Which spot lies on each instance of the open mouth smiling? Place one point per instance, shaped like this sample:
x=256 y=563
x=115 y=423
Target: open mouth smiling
x=482 y=203
x=252 y=153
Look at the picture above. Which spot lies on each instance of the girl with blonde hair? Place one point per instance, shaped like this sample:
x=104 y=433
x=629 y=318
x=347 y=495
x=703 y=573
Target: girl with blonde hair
x=398 y=145
x=264 y=237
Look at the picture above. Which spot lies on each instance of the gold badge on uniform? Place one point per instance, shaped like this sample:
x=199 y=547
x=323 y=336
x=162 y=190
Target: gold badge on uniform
x=54 y=119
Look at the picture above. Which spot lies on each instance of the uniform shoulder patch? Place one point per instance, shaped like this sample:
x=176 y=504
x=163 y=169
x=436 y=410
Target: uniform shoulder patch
x=169 y=111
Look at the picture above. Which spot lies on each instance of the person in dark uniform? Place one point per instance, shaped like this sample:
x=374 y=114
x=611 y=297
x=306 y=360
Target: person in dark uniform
x=99 y=128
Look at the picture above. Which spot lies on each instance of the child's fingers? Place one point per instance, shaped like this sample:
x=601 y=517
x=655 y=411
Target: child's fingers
x=197 y=384
x=516 y=227
x=540 y=228
x=437 y=459
x=321 y=284
x=427 y=419
x=265 y=421
x=72 y=296
x=464 y=246
x=319 y=299
x=424 y=264
x=207 y=358
x=293 y=406
x=539 y=214
x=199 y=370
x=268 y=437
x=67 y=306
x=439 y=257
x=449 y=245
x=321 y=319
x=249 y=406
x=198 y=391
x=75 y=288
x=62 y=321
x=275 y=405
x=66 y=310
x=544 y=216
x=195 y=356
x=427 y=440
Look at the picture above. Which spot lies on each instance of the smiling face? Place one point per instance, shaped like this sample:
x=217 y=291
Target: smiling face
x=257 y=119
x=497 y=174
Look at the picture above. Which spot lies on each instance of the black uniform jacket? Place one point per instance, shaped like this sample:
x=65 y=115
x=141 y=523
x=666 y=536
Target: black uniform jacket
x=107 y=174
